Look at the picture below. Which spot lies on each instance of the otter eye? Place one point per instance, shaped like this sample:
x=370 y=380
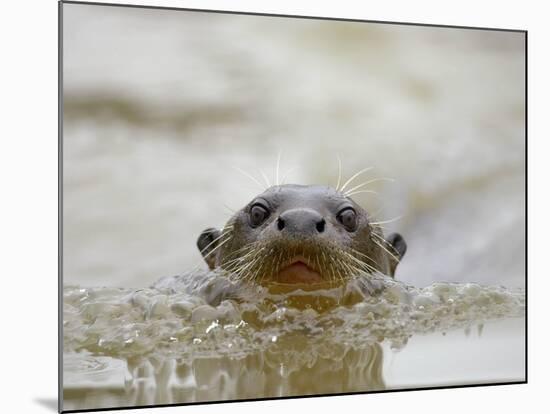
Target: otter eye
x=258 y=214
x=348 y=218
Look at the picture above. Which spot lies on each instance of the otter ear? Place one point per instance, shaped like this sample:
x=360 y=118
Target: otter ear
x=207 y=241
x=399 y=246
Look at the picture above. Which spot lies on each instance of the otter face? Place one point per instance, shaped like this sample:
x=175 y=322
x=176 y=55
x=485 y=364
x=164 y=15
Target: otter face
x=301 y=234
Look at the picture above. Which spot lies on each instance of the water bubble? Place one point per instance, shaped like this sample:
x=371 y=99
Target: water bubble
x=212 y=326
x=204 y=312
x=111 y=320
x=182 y=308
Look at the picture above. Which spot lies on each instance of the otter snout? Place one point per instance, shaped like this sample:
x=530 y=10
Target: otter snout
x=301 y=234
x=301 y=222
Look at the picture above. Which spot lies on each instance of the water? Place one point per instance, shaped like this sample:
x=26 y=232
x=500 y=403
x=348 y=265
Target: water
x=159 y=106
x=200 y=337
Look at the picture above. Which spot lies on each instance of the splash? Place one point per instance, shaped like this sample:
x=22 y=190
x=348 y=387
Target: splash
x=200 y=337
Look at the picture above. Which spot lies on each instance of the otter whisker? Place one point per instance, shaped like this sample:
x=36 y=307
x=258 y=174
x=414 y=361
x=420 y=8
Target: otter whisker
x=217 y=247
x=375 y=214
x=254 y=271
x=250 y=176
x=230 y=269
x=353 y=177
x=380 y=236
x=279 y=260
x=286 y=175
x=355 y=271
x=351 y=267
x=361 y=262
x=234 y=273
x=385 y=242
x=229 y=208
x=251 y=263
x=318 y=263
x=245 y=249
x=277 y=168
x=364 y=255
x=268 y=183
x=336 y=267
x=386 y=250
x=339 y=172
x=248 y=252
x=357 y=187
x=260 y=269
x=237 y=260
x=333 y=273
x=324 y=258
x=214 y=241
x=217 y=239
x=380 y=226
x=362 y=192
x=230 y=265
x=271 y=263
x=343 y=264
x=252 y=275
x=386 y=221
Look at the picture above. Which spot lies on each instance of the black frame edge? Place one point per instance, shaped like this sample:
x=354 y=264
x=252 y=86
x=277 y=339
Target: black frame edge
x=526 y=212
x=294 y=397
x=60 y=206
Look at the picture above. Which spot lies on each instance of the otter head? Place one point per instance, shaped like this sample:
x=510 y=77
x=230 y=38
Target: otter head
x=301 y=234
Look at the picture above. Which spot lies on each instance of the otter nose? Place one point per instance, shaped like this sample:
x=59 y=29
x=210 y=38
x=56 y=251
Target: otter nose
x=301 y=222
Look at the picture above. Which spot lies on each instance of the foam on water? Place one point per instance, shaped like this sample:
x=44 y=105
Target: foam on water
x=212 y=339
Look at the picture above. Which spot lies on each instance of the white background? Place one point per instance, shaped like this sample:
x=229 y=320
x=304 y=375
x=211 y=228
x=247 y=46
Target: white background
x=28 y=227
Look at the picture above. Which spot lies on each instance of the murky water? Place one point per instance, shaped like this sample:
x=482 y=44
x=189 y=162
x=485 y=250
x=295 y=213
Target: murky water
x=158 y=108
x=200 y=337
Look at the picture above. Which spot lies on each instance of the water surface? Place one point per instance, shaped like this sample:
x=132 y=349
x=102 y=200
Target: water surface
x=199 y=337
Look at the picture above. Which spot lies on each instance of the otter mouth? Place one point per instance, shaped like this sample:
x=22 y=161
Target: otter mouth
x=298 y=270
x=295 y=263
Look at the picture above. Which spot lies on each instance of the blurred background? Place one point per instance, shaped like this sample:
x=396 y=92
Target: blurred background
x=161 y=106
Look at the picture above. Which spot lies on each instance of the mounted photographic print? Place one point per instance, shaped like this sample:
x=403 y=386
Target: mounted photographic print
x=263 y=206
